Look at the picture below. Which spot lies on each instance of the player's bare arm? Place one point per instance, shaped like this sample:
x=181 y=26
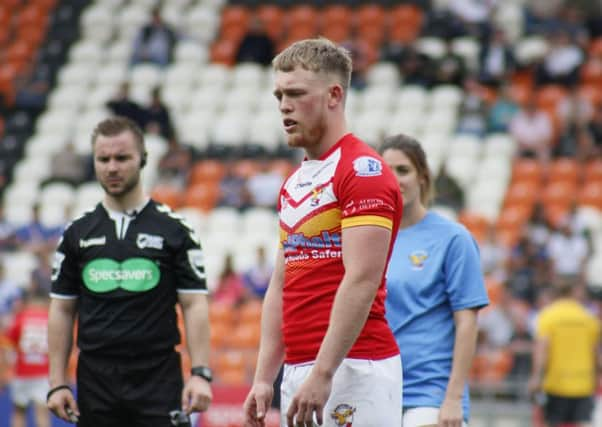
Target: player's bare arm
x=271 y=349
x=61 y=318
x=196 y=395
x=464 y=347
x=364 y=252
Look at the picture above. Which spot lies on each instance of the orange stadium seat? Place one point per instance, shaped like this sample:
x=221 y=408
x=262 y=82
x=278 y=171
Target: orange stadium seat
x=302 y=31
x=336 y=15
x=559 y=192
x=370 y=14
x=245 y=168
x=590 y=195
x=563 y=169
x=526 y=169
x=224 y=52
x=591 y=72
x=548 y=97
x=304 y=16
x=525 y=191
x=207 y=170
x=337 y=34
x=595 y=48
x=272 y=17
x=514 y=216
x=495 y=290
x=233 y=34
x=230 y=367
x=203 y=196
x=405 y=22
x=236 y=16
x=555 y=213
x=520 y=92
x=591 y=93
x=168 y=195
x=371 y=34
x=593 y=171
x=250 y=312
x=283 y=167
x=220 y=313
x=475 y=223
x=508 y=236
x=244 y=337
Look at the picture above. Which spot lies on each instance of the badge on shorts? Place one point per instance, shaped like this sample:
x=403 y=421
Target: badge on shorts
x=343 y=415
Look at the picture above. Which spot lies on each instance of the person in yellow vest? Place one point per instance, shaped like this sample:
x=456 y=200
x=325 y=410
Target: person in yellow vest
x=565 y=358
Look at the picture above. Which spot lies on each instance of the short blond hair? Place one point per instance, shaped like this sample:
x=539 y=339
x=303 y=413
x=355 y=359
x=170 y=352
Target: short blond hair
x=319 y=55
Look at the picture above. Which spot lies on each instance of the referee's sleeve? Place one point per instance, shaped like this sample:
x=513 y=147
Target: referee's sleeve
x=190 y=264
x=65 y=281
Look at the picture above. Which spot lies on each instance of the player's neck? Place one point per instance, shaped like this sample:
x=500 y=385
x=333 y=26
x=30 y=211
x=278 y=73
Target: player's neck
x=126 y=202
x=412 y=214
x=337 y=128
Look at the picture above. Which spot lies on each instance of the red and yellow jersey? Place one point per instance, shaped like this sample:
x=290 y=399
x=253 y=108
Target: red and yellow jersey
x=348 y=186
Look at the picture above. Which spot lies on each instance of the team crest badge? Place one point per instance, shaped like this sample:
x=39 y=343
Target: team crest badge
x=343 y=415
x=417 y=258
x=367 y=166
x=315 y=197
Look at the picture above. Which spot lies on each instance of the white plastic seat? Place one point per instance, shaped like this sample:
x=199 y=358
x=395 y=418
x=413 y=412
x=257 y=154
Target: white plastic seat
x=461 y=168
x=499 y=144
x=530 y=50
x=44 y=145
x=241 y=99
x=412 y=98
x=58 y=193
x=377 y=98
x=69 y=97
x=191 y=52
x=21 y=193
x=215 y=75
x=182 y=74
x=248 y=75
x=230 y=129
x=370 y=127
x=468 y=48
x=132 y=18
x=53 y=215
x=432 y=47
x=120 y=51
x=434 y=142
x=225 y=219
x=259 y=220
x=208 y=98
x=442 y=120
x=194 y=128
x=408 y=123
x=87 y=195
x=201 y=23
x=509 y=17
x=59 y=123
x=83 y=129
x=113 y=74
x=77 y=74
x=96 y=16
x=177 y=98
x=445 y=96
x=196 y=218
x=146 y=75
x=266 y=130
x=465 y=145
x=18 y=266
x=99 y=96
x=383 y=74
x=86 y=51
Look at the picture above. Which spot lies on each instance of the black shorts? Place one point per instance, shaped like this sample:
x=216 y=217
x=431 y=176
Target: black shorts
x=560 y=410
x=118 y=393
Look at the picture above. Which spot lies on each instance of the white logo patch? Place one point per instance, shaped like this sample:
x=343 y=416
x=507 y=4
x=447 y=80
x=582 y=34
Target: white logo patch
x=367 y=166
x=57 y=262
x=149 y=241
x=94 y=241
x=196 y=261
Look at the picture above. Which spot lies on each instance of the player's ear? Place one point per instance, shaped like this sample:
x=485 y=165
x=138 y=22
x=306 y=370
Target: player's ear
x=335 y=95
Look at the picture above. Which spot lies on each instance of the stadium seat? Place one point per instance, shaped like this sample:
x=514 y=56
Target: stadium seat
x=168 y=195
x=477 y=224
x=525 y=192
x=593 y=171
x=272 y=17
x=215 y=75
x=131 y=18
x=432 y=47
x=203 y=196
x=207 y=170
x=527 y=169
x=559 y=192
x=530 y=50
x=248 y=75
x=240 y=99
x=58 y=193
x=384 y=74
x=224 y=219
x=590 y=194
x=18 y=266
x=564 y=169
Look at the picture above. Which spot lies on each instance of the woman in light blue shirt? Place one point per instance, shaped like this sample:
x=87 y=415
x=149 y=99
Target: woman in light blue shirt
x=434 y=289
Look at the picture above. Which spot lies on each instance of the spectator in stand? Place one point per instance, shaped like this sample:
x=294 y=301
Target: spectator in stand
x=574 y=113
x=10 y=297
x=28 y=333
x=415 y=67
x=230 y=289
x=496 y=59
x=155 y=42
x=472 y=120
x=493 y=255
x=565 y=357
x=41 y=276
x=157 y=119
x=450 y=68
x=538 y=229
x=122 y=105
x=447 y=190
x=264 y=186
x=501 y=112
x=593 y=135
x=35 y=235
x=475 y=15
x=68 y=166
x=359 y=54
x=256 y=46
x=561 y=63
x=8 y=240
x=32 y=90
x=234 y=191
x=568 y=251
x=257 y=278
x=532 y=129
x=175 y=164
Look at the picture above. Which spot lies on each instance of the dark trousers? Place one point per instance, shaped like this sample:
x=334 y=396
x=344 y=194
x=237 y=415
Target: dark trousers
x=124 y=393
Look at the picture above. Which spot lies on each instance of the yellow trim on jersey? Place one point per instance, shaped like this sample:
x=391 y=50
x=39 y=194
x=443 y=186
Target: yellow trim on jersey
x=354 y=221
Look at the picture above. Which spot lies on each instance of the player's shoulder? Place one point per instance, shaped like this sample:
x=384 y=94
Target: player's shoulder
x=86 y=218
x=168 y=219
x=360 y=157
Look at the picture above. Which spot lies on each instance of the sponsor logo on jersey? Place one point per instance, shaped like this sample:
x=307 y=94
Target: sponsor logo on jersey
x=324 y=240
x=134 y=275
x=196 y=260
x=417 y=259
x=93 y=241
x=149 y=241
x=367 y=166
x=316 y=195
x=343 y=415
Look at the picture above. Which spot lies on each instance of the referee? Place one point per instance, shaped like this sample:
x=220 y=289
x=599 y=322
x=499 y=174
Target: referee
x=120 y=269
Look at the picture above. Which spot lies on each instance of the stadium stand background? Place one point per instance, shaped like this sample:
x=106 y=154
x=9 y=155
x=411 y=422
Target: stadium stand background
x=63 y=60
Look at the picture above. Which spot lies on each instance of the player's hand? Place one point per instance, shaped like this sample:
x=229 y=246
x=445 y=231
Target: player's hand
x=450 y=413
x=310 y=398
x=196 y=395
x=62 y=404
x=257 y=404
